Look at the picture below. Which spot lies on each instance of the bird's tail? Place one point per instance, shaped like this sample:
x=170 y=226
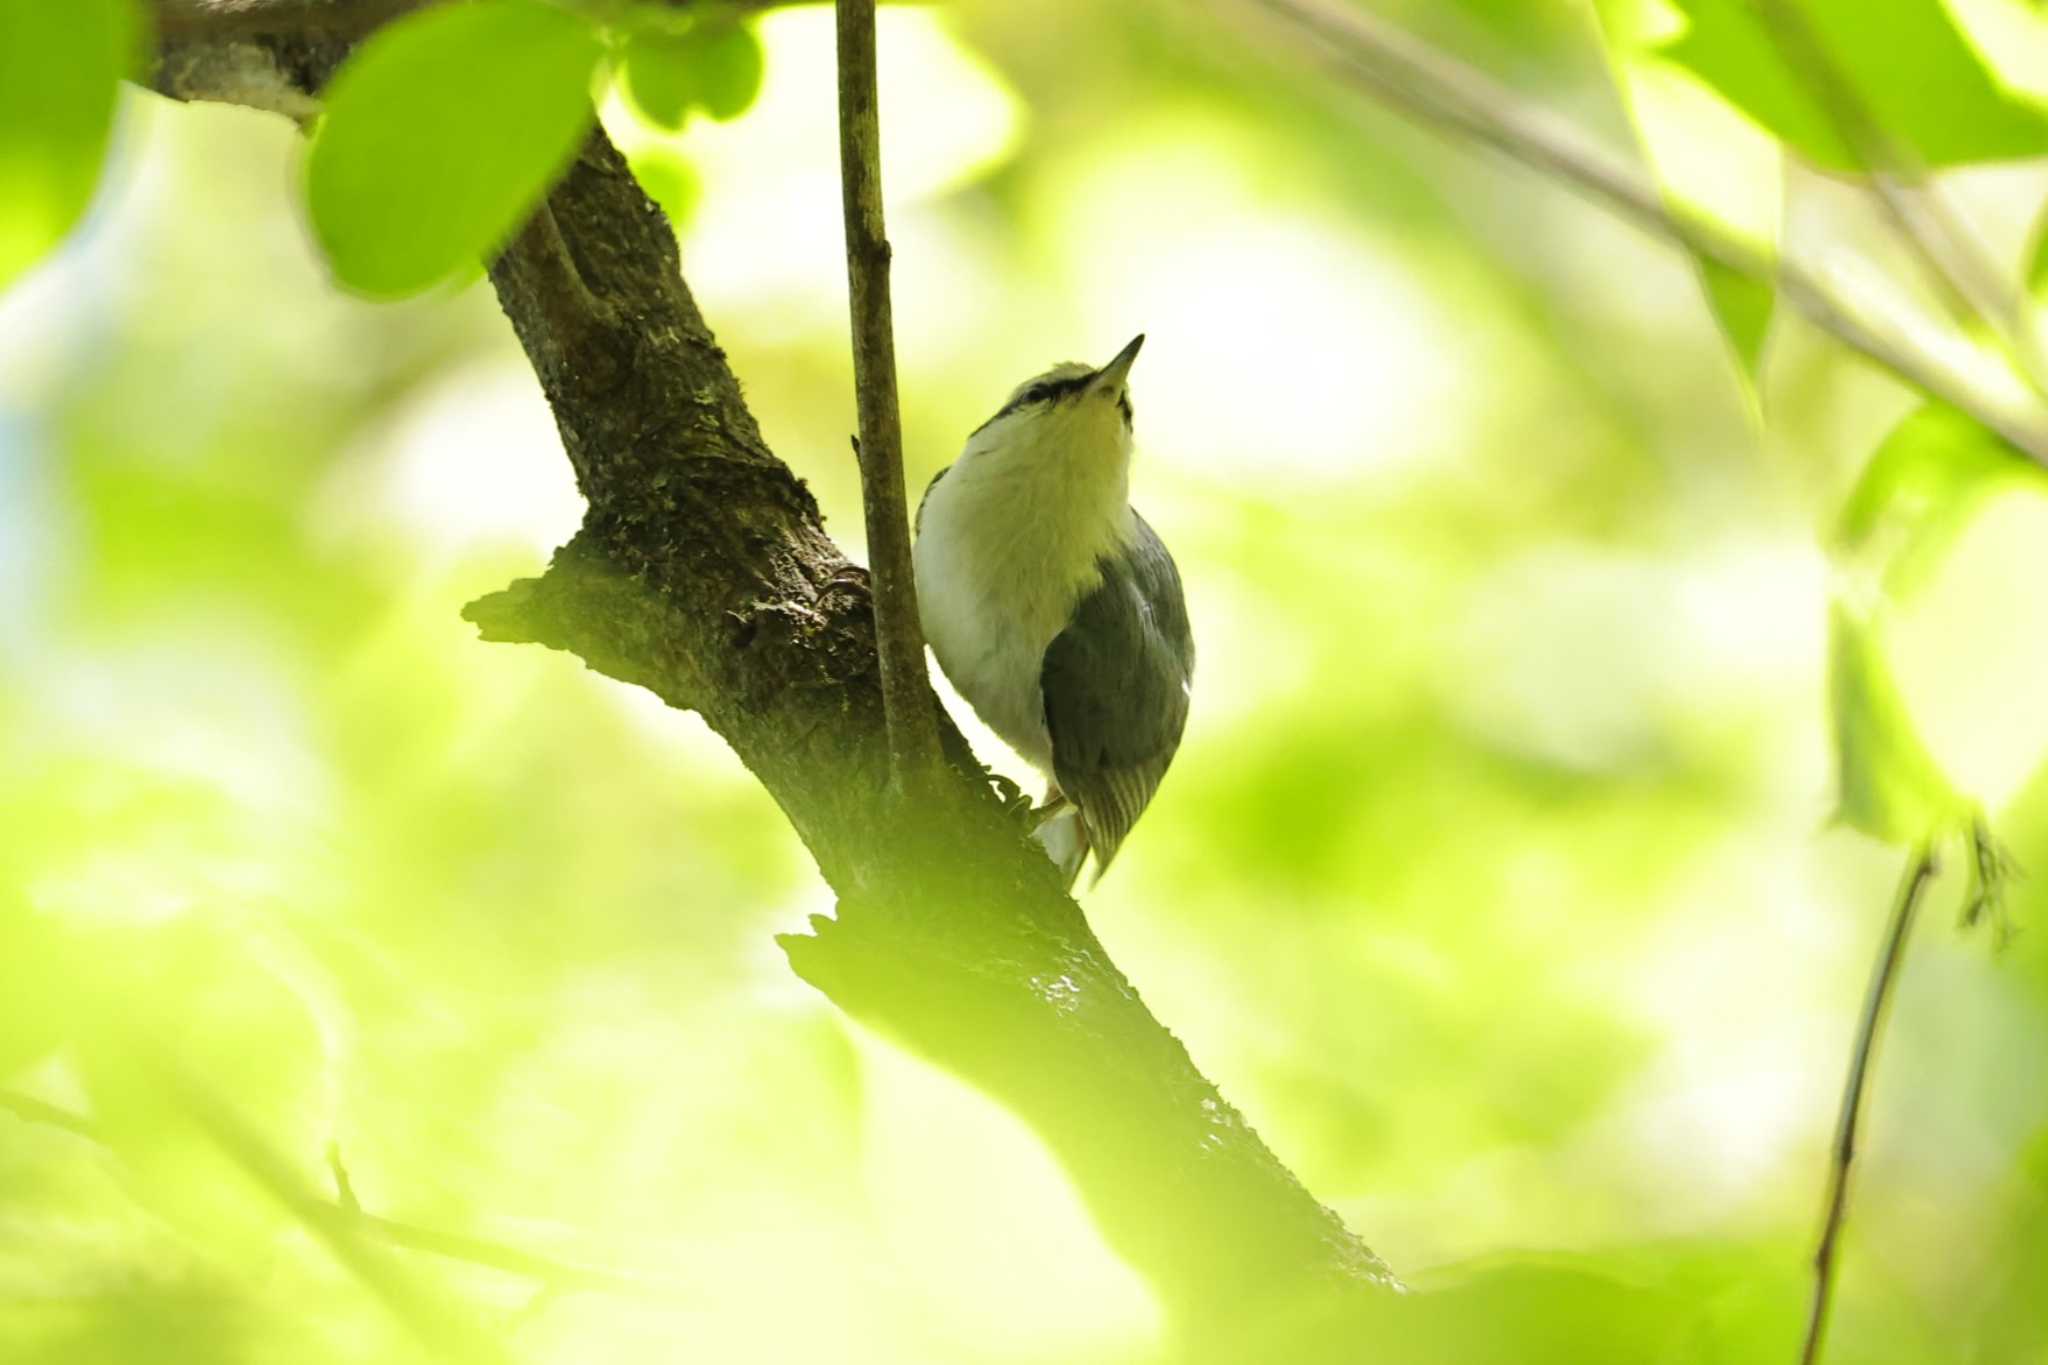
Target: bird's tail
x=1064 y=838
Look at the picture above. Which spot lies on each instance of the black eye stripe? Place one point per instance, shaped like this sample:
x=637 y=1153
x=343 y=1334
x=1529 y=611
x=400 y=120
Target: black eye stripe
x=1052 y=390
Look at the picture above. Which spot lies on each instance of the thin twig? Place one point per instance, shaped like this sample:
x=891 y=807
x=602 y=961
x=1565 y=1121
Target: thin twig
x=344 y=1188
x=29 y=1109
x=560 y=1275
x=1884 y=974
x=1441 y=91
x=899 y=638
x=1954 y=261
x=450 y=1335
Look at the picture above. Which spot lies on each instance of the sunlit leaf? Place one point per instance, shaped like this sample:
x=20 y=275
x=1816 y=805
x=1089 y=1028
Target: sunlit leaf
x=1920 y=489
x=1711 y=167
x=1907 y=62
x=714 y=65
x=441 y=135
x=1890 y=786
x=60 y=65
x=2037 y=257
x=1743 y=307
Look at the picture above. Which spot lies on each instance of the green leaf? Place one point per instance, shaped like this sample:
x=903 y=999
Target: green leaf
x=1695 y=174
x=669 y=181
x=1891 y=787
x=1910 y=66
x=1743 y=307
x=1919 y=490
x=731 y=64
x=442 y=134
x=60 y=68
x=660 y=78
x=715 y=66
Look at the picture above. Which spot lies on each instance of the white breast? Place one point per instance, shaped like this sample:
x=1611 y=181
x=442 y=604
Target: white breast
x=1008 y=544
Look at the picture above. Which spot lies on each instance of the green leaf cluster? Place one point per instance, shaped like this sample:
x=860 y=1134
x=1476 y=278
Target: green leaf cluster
x=447 y=128
x=711 y=62
x=1915 y=74
x=439 y=136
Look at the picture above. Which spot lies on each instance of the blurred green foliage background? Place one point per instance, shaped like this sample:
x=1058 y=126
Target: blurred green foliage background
x=1494 y=880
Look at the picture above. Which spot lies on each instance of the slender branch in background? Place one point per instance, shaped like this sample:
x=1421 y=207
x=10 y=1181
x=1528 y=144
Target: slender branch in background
x=907 y=700
x=1884 y=974
x=344 y=1188
x=1975 y=291
x=29 y=1109
x=1441 y=91
x=452 y=1246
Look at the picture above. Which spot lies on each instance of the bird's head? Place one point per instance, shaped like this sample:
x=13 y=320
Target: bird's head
x=1072 y=411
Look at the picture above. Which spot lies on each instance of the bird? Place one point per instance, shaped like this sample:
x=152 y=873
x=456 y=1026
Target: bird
x=1055 y=609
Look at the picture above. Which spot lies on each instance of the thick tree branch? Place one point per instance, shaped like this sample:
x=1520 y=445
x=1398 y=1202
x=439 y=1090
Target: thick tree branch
x=906 y=689
x=702 y=572
x=1440 y=91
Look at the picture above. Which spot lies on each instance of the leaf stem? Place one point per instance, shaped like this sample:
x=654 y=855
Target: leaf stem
x=1876 y=999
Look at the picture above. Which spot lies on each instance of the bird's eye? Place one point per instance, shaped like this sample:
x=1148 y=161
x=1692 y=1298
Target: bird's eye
x=1038 y=393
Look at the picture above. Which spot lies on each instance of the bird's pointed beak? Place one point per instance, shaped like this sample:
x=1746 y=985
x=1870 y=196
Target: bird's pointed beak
x=1111 y=376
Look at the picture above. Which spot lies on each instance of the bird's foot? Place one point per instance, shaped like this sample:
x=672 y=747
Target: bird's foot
x=1015 y=802
x=1040 y=815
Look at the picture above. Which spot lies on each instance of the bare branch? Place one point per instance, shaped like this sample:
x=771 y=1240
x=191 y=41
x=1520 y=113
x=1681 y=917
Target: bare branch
x=907 y=698
x=29 y=1109
x=1441 y=91
x=1883 y=975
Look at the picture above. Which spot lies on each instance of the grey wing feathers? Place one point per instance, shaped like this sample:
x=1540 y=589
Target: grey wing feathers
x=1115 y=683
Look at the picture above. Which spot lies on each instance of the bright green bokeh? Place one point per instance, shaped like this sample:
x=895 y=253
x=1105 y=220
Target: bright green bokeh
x=1494 y=881
x=59 y=65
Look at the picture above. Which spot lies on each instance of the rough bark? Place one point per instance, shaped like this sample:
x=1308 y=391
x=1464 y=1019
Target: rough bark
x=702 y=572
